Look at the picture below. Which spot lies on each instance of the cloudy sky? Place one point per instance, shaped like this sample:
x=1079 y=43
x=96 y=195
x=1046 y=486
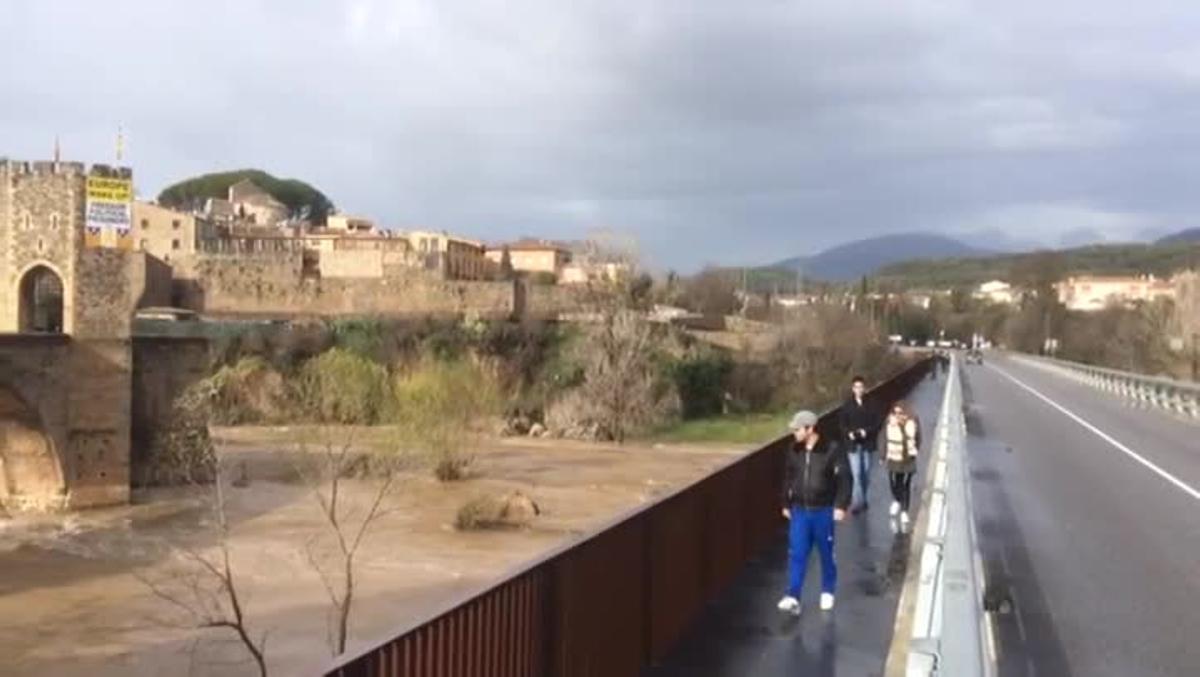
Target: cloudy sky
x=732 y=132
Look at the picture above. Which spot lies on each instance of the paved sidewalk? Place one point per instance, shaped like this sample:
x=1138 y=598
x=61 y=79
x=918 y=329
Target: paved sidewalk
x=742 y=634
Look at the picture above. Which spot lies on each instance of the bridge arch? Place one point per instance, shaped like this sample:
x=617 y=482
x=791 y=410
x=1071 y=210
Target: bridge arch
x=41 y=300
x=31 y=472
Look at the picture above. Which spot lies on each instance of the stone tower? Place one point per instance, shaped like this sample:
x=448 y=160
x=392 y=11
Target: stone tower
x=65 y=316
x=41 y=234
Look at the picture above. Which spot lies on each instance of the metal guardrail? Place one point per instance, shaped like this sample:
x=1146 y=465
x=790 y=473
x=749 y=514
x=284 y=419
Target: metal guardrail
x=951 y=631
x=615 y=600
x=1181 y=397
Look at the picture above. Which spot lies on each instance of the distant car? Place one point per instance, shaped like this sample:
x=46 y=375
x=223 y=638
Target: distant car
x=974 y=356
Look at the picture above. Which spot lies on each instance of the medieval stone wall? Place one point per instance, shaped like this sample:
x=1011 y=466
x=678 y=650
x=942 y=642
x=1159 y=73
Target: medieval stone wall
x=274 y=286
x=549 y=301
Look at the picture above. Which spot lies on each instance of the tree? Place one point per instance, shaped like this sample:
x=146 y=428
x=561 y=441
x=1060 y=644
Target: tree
x=327 y=458
x=506 y=265
x=204 y=587
x=960 y=300
x=641 y=288
x=336 y=389
x=1039 y=274
x=301 y=199
x=711 y=292
x=619 y=389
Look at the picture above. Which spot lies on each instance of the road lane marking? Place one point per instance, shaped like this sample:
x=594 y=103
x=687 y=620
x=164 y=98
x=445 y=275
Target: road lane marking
x=1191 y=491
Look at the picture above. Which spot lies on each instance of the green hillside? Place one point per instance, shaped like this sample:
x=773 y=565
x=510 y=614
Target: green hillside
x=1122 y=259
x=302 y=200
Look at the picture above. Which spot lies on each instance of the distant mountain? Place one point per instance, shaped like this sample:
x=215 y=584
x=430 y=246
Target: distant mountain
x=1160 y=260
x=1189 y=235
x=863 y=257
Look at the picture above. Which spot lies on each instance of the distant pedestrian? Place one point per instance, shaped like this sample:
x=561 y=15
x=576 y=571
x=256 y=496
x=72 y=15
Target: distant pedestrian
x=860 y=422
x=816 y=493
x=902 y=436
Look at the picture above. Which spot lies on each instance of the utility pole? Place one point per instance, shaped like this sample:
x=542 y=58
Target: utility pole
x=745 y=295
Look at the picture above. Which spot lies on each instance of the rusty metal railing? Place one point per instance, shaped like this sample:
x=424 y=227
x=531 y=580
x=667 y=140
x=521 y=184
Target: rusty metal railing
x=615 y=600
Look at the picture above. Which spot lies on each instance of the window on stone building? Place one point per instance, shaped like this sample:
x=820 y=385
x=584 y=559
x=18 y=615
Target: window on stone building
x=54 y=222
x=175 y=224
x=174 y=244
x=28 y=222
x=40 y=304
x=145 y=224
x=142 y=245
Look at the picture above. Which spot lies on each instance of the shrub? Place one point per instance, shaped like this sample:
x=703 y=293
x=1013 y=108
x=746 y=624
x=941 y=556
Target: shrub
x=300 y=342
x=361 y=336
x=445 y=341
x=521 y=349
x=815 y=357
x=340 y=386
x=438 y=408
x=249 y=391
x=702 y=382
x=182 y=451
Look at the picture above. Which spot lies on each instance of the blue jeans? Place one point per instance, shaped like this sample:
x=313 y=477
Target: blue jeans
x=860 y=471
x=810 y=527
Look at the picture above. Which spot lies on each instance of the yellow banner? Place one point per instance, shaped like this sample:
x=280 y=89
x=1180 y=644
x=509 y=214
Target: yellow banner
x=109 y=190
x=109 y=211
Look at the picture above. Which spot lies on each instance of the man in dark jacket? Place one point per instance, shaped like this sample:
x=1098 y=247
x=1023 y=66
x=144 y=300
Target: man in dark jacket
x=860 y=423
x=816 y=493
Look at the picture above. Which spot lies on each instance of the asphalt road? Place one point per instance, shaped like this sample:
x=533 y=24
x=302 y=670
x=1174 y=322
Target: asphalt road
x=1098 y=552
x=742 y=634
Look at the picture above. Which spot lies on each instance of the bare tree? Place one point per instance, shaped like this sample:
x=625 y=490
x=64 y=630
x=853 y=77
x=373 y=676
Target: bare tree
x=618 y=374
x=203 y=586
x=325 y=464
x=712 y=291
x=619 y=390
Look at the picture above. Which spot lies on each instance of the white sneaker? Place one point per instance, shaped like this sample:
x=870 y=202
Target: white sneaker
x=789 y=605
x=895 y=509
x=904 y=518
x=826 y=601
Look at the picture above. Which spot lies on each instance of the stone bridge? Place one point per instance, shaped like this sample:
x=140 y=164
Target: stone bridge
x=64 y=421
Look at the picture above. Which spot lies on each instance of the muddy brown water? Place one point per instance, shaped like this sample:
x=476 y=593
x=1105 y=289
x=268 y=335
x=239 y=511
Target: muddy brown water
x=74 y=589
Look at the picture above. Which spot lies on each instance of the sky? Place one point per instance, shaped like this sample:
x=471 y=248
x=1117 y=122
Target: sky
x=710 y=132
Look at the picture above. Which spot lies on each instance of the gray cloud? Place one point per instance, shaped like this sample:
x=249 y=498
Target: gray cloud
x=712 y=131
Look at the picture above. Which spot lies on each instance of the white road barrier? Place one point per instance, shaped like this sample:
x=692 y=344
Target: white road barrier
x=950 y=629
x=1181 y=397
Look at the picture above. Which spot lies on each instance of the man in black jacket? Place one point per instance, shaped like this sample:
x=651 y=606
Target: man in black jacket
x=816 y=492
x=860 y=423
